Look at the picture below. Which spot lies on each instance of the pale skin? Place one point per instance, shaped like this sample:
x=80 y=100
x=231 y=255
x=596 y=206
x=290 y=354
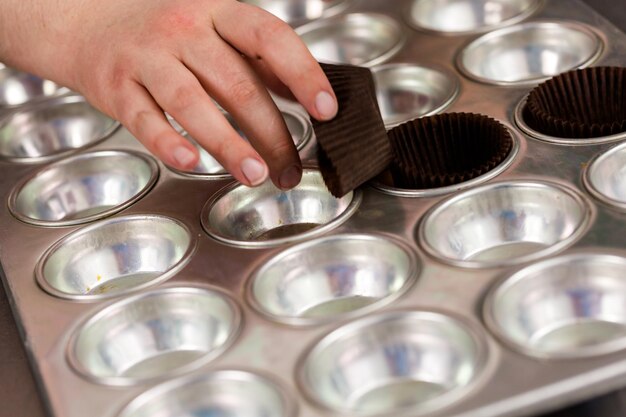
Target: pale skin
x=136 y=59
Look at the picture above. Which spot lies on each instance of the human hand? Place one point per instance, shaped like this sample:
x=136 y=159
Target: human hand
x=136 y=59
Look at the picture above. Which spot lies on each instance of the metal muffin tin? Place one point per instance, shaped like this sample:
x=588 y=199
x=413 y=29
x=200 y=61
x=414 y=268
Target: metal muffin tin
x=114 y=256
x=530 y=52
x=227 y=393
x=428 y=327
x=83 y=188
x=356 y=38
x=52 y=129
x=456 y=17
x=296 y=12
x=407 y=91
x=569 y=306
x=154 y=335
x=18 y=88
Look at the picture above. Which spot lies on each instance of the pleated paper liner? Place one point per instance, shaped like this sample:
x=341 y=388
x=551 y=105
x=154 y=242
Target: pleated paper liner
x=579 y=104
x=445 y=149
x=353 y=147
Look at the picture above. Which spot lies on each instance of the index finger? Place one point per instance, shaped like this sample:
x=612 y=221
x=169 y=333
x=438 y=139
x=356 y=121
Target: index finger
x=260 y=35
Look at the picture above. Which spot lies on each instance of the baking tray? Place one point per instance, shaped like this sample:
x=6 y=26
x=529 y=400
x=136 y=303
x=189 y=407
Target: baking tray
x=509 y=382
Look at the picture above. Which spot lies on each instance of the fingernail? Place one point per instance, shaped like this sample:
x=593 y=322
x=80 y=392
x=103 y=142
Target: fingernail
x=254 y=171
x=326 y=105
x=290 y=177
x=184 y=157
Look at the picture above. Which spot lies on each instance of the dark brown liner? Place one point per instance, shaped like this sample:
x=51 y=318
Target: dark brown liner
x=353 y=147
x=445 y=149
x=579 y=104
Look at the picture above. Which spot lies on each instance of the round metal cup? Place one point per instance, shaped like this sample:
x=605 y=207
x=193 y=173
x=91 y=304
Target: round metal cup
x=267 y=216
x=358 y=39
x=524 y=127
x=456 y=17
x=397 y=362
x=432 y=192
x=153 y=335
x=565 y=307
x=19 y=88
x=407 y=91
x=332 y=277
x=115 y=256
x=208 y=167
x=504 y=223
x=222 y=393
x=530 y=52
x=605 y=177
x=83 y=188
x=297 y=12
x=49 y=130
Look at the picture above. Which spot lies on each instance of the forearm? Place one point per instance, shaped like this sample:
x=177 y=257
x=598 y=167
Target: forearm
x=36 y=36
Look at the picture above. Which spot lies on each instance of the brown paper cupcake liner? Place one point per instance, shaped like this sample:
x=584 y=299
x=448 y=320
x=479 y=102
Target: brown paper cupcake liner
x=353 y=147
x=445 y=149
x=584 y=103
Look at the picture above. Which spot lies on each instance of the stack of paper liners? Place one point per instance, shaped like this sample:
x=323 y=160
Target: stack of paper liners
x=579 y=104
x=445 y=149
x=353 y=147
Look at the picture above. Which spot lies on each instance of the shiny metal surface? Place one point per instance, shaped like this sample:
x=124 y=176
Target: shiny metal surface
x=605 y=177
x=296 y=12
x=357 y=38
x=504 y=223
x=332 y=277
x=524 y=127
x=154 y=335
x=52 y=129
x=266 y=216
x=397 y=362
x=456 y=17
x=83 y=188
x=18 y=88
x=208 y=167
x=430 y=192
x=565 y=307
x=530 y=52
x=115 y=256
x=407 y=91
x=510 y=383
x=222 y=393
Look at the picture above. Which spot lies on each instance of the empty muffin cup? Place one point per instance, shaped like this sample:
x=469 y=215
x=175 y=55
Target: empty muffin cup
x=443 y=153
x=51 y=129
x=208 y=167
x=504 y=223
x=358 y=39
x=605 y=177
x=222 y=393
x=83 y=188
x=457 y=17
x=153 y=335
x=267 y=216
x=564 y=307
x=585 y=103
x=115 y=256
x=397 y=362
x=332 y=277
x=530 y=52
x=297 y=12
x=407 y=91
x=18 y=88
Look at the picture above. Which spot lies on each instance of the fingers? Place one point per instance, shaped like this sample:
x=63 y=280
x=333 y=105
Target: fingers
x=178 y=92
x=146 y=121
x=269 y=78
x=243 y=95
x=260 y=35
